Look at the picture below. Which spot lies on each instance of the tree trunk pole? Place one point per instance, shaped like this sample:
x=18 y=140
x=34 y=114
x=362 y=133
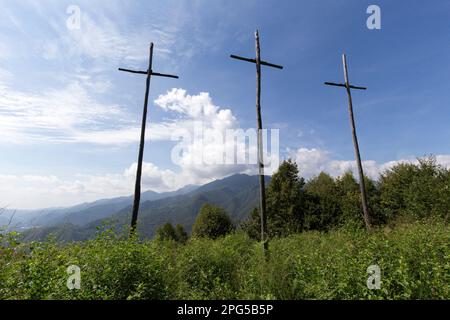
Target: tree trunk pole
x=262 y=187
x=137 y=189
x=355 y=143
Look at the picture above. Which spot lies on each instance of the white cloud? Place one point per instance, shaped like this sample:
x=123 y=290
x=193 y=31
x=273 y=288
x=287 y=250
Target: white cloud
x=44 y=114
x=196 y=107
x=104 y=37
x=155 y=178
x=72 y=115
x=313 y=161
x=203 y=154
x=119 y=31
x=186 y=111
x=310 y=161
x=50 y=191
x=44 y=191
x=53 y=116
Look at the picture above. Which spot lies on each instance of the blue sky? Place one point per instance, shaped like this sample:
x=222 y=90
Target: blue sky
x=69 y=121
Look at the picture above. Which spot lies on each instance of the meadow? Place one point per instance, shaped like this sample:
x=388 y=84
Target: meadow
x=413 y=257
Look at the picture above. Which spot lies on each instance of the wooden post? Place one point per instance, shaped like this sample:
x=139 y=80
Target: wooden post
x=356 y=145
x=362 y=187
x=262 y=187
x=137 y=188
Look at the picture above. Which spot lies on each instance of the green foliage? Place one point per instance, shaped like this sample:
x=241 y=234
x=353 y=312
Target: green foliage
x=285 y=201
x=166 y=232
x=411 y=191
x=416 y=191
x=285 y=204
x=349 y=200
x=212 y=222
x=181 y=234
x=112 y=267
x=252 y=226
x=209 y=269
x=323 y=202
x=414 y=259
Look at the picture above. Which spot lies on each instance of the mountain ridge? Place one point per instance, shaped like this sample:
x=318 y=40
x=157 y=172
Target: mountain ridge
x=74 y=214
x=237 y=194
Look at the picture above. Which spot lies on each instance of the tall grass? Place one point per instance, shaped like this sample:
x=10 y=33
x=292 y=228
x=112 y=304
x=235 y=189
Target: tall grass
x=414 y=260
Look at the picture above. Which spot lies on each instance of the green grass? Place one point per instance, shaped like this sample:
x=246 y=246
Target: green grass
x=414 y=259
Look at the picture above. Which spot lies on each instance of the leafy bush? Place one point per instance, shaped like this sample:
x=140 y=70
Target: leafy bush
x=168 y=232
x=181 y=234
x=252 y=225
x=416 y=191
x=212 y=222
x=209 y=269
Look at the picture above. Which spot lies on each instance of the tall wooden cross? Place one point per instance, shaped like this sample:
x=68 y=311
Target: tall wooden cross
x=362 y=187
x=137 y=189
x=262 y=188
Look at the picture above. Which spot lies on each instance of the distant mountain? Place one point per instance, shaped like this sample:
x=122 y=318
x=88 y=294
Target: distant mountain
x=237 y=194
x=79 y=215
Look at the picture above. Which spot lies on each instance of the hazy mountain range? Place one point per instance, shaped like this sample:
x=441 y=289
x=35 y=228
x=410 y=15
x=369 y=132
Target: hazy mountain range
x=237 y=194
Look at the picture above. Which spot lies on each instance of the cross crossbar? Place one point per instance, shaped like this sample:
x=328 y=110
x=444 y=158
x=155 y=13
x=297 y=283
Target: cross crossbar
x=152 y=73
x=263 y=63
x=344 y=85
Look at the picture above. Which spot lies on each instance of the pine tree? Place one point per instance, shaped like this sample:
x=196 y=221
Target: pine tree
x=285 y=204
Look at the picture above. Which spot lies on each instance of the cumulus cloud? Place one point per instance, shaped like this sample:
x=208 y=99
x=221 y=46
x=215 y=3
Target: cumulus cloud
x=44 y=191
x=51 y=191
x=313 y=161
x=212 y=141
x=201 y=128
x=187 y=114
x=198 y=107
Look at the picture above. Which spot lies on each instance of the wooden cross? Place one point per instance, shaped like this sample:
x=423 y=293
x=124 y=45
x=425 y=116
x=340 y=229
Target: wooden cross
x=262 y=188
x=137 y=190
x=348 y=87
